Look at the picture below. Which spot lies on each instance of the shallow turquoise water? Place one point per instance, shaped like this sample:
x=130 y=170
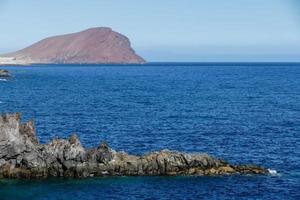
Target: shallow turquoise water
x=245 y=114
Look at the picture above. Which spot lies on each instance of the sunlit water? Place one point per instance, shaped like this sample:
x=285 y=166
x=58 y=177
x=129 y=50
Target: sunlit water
x=245 y=114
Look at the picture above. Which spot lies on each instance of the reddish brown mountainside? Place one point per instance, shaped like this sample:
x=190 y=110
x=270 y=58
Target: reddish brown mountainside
x=95 y=45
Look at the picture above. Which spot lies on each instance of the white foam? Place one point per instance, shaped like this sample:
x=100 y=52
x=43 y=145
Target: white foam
x=272 y=172
x=2 y=79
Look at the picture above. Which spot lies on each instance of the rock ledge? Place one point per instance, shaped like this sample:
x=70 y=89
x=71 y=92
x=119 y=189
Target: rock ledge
x=22 y=156
x=4 y=73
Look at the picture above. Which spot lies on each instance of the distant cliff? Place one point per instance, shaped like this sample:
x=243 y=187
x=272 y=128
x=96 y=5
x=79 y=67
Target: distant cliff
x=95 y=45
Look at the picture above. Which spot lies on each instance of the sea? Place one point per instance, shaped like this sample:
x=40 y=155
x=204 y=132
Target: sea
x=241 y=112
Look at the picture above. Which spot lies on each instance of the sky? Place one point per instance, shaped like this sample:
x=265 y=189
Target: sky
x=165 y=30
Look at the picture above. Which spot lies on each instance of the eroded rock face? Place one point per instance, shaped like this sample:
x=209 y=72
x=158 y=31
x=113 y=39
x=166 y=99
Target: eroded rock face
x=4 y=73
x=22 y=156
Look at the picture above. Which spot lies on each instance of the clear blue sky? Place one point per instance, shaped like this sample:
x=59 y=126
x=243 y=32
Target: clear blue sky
x=166 y=30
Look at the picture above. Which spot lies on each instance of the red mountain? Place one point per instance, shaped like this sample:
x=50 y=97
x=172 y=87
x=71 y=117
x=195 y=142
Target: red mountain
x=95 y=45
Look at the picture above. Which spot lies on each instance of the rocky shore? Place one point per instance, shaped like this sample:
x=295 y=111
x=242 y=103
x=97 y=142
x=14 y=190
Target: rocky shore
x=22 y=156
x=4 y=73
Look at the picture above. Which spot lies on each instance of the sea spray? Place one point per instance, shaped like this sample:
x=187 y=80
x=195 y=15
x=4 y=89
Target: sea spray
x=273 y=172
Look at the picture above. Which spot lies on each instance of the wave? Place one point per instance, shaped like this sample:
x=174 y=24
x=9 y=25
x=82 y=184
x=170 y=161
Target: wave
x=3 y=79
x=273 y=172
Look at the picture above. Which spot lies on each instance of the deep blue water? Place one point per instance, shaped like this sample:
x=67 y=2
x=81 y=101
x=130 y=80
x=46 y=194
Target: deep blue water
x=245 y=114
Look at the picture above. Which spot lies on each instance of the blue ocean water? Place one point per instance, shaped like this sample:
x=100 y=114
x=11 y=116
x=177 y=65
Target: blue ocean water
x=242 y=113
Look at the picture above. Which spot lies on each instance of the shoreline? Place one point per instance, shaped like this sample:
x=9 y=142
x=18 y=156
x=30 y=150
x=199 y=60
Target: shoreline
x=158 y=64
x=23 y=157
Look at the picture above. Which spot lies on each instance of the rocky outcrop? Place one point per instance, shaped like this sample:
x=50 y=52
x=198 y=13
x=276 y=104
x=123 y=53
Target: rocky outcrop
x=4 y=73
x=22 y=156
x=92 y=46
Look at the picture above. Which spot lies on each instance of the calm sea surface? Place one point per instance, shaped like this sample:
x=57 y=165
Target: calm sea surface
x=245 y=114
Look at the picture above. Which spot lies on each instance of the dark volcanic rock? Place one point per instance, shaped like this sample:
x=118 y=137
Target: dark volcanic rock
x=95 y=45
x=22 y=156
x=4 y=73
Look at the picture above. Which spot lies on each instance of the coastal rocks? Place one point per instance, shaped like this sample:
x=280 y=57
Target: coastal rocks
x=22 y=156
x=4 y=73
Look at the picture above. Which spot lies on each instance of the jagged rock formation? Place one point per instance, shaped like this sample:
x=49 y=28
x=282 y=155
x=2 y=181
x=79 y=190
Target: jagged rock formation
x=22 y=156
x=4 y=73
x=95 y=45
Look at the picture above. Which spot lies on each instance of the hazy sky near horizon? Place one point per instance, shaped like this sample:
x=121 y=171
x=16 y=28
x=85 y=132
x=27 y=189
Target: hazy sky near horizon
x=166 y=30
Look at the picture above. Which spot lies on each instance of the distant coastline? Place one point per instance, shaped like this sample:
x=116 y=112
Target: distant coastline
x=167 y=63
